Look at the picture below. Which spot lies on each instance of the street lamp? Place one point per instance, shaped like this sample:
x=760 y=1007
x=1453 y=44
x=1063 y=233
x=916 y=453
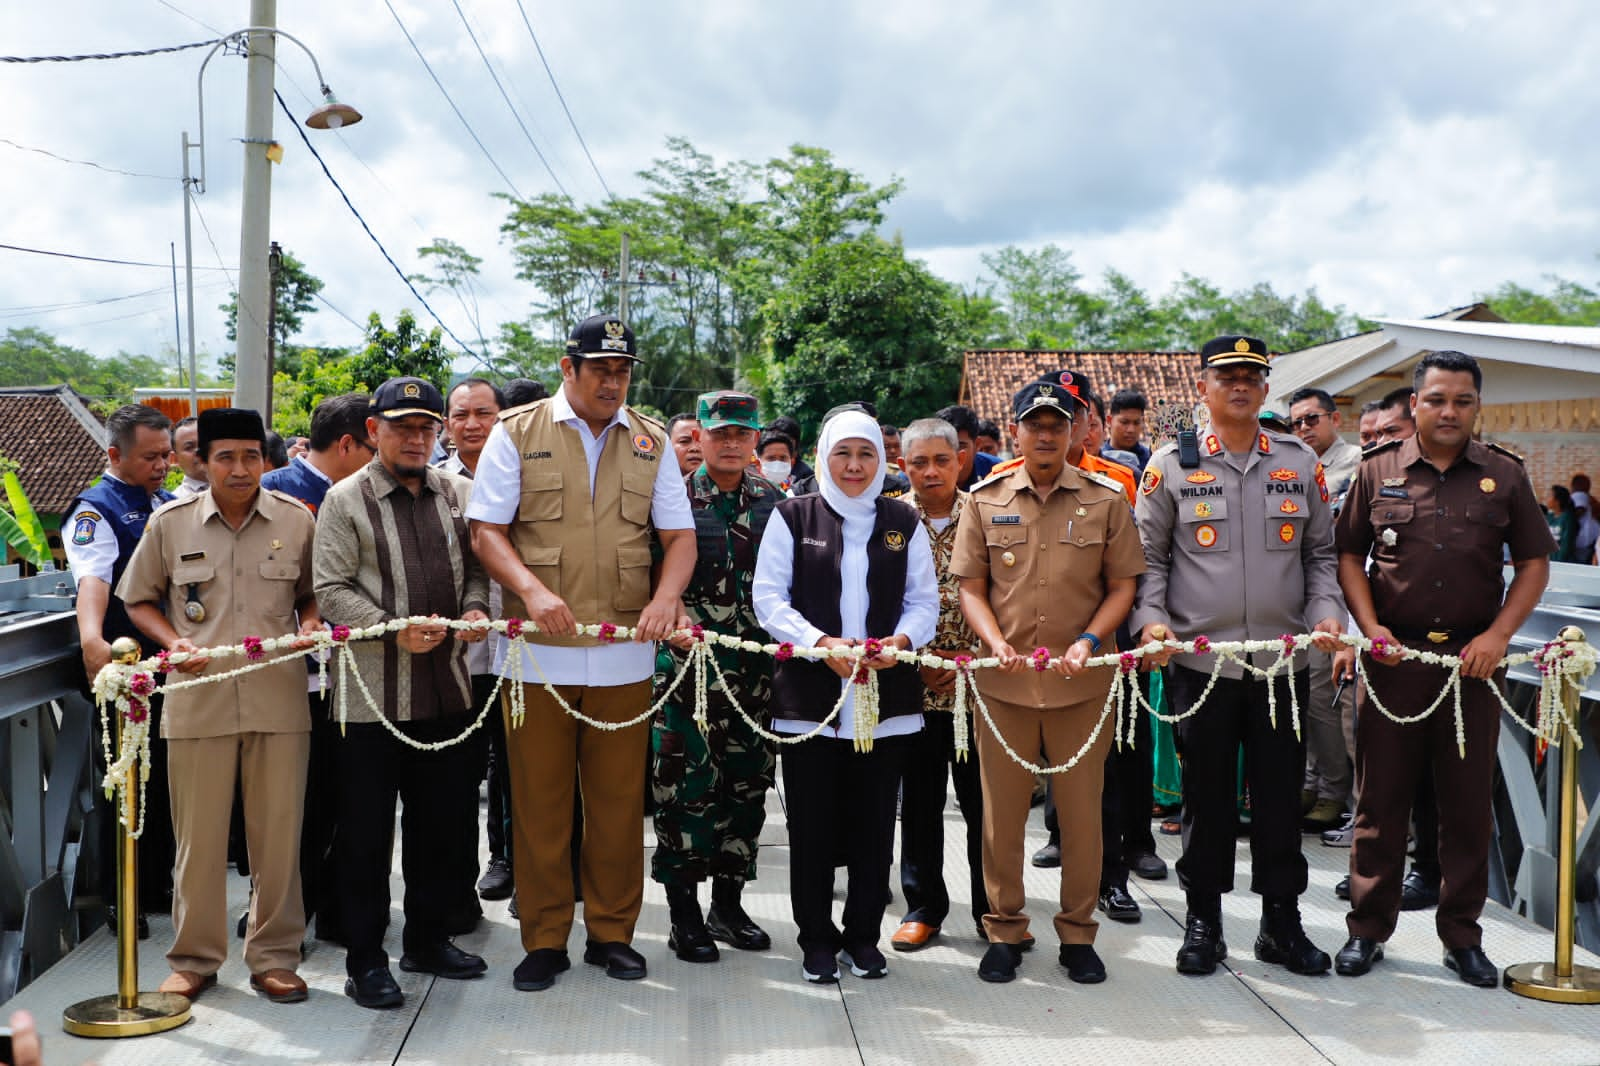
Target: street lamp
x=252 y=382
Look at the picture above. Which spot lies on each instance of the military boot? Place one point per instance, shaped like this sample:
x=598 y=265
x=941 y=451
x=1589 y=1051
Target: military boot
x=689 y=939
x=1283 y=941
x=728 y=921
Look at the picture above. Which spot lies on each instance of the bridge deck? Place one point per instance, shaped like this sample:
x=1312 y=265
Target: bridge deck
x=753 y=1008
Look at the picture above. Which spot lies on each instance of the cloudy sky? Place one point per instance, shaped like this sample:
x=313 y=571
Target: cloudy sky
x=1400 y=156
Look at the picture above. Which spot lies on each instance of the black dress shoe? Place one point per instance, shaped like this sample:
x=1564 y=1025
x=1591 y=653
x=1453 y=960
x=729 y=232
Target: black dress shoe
x=375 y=989
x=999 y=963
x=1119 y=905
x=1083 y=964
x=1473 y=966
x=620 y=960
x=1149 y=865
x=1418 y=892
x=1283 y=942
x=496 y=881
x=1203 y=947
x=444 y=960
x=692 y=943
x=732 y=925
x=537 y=970
x=1357 y=956
x=1342 y=889
x=142 y=930
x=511 y=908
x=1048 y=857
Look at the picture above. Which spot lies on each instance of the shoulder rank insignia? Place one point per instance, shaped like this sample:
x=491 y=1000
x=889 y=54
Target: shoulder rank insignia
x=1152 y=480
x=1101 y=479
x=1213 y=445
x=1503 y=450
x=1264 y=443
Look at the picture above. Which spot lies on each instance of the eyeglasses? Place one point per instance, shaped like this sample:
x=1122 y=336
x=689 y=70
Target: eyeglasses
x=1310 y=420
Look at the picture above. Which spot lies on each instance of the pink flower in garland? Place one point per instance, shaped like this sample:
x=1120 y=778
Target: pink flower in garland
x=141 y=684
x=1040 y=659
x=1128 y=662
x=163 y=661
x=698 y=632
x=253 y=649
x=137 y=712
x=1202 y=644
x=1380 y=648
x=513 y=628
x=341 y=634
x=784 y=653
x=963 y=662
x=608 y=632
x=1288 y=643
x=873 y=647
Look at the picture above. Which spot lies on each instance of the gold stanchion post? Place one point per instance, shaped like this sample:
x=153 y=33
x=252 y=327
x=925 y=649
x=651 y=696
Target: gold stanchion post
x=129 y=1012
x=1561 y=981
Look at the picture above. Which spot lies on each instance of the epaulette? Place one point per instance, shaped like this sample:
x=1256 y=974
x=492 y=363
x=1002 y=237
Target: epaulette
x=297 y=501
x=999 y=471
x=1379 y=449
x=1103 y=479
x=521 y=408
x=1167 y=448
x=647 y=420
x=1507 y=452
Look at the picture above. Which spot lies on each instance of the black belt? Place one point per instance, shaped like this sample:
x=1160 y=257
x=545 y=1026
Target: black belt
x=1455 y=635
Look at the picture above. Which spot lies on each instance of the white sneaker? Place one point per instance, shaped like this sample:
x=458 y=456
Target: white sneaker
x=1342 y=837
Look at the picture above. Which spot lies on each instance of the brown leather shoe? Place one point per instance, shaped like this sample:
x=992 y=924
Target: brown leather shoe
x=913 y=936
x=280 y=986
x=187 y=983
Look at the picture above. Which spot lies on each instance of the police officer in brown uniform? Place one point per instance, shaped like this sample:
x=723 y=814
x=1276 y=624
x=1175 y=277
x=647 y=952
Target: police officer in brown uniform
x=1436 y=512
x=1048 y=557
x=1238 y=540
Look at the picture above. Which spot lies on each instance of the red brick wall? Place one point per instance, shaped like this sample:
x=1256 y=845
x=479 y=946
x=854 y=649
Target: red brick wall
x=1552 y=458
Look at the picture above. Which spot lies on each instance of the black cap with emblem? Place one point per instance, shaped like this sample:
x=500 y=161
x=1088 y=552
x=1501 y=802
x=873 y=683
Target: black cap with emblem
x=601 y=336
x=402 y=397
x=1234 y=350
x=1044 y=395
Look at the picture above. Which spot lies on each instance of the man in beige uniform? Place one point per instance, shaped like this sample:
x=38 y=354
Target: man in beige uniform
x=1048 y=557
x=231 y=562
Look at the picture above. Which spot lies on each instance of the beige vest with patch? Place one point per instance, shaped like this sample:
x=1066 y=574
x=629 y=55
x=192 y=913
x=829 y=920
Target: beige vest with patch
x=593 y=553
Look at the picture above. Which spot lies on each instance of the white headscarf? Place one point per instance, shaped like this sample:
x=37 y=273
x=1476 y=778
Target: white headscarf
x=840 y=427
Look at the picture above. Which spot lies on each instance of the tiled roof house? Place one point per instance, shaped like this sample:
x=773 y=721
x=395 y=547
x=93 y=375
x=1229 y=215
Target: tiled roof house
x=57 y=443
x=989 y=377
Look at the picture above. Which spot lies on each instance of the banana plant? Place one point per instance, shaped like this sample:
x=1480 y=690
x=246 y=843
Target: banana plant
x=20 y=526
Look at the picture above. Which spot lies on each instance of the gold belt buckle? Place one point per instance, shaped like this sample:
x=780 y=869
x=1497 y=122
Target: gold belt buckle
x=1436 y=637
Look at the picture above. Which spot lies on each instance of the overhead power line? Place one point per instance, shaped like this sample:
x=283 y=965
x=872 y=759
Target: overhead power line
x=86 y=162
x=94 y=258
x=312 y=148
x=443 y=91
x=509 y=105
x=108 y=55
x=559 y=96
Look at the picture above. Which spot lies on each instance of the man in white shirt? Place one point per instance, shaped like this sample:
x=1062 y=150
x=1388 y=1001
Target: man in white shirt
x=186 y=453
x=568 y=491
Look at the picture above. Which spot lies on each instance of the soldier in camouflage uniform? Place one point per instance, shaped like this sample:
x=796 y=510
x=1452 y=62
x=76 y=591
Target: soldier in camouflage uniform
x=710 y=789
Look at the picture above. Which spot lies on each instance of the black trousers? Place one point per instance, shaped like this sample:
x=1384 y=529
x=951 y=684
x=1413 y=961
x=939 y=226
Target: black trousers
x=839 y=800
x=438 y=792
x=1235 y=716
x=1125 y=801
x=319 y=880
x=929 y=765
x=497 y=825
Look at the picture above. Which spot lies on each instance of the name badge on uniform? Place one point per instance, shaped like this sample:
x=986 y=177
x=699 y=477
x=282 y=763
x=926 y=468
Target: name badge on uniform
x=1395 y=494
x=1005 y=520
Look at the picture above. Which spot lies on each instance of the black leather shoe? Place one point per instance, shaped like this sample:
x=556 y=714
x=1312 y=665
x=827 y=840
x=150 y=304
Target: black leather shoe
x=537 y=970
x=1357 y=956
x=511 y=908
x=1119 y=905
x=496 y=881
x=732 y=925
x=1473 y=966
x=1417 y=893
x=1342 y=889
x=1283 y=942
x=1048 y=857
x=692 y=944
x=1149 y=865
x=1203 y=947
x=375 y=989
x=999 y=963
x=620 y=960
x=444 y=960
x=1083 y=964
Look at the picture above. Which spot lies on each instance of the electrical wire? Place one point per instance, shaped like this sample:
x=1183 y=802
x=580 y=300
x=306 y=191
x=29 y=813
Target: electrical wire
x=440 y=85
x=96 y=259
x=559 y=96
x=312 y=148
x=509 y=105
x=86 y=162
x=108 y=55
x=191 y=18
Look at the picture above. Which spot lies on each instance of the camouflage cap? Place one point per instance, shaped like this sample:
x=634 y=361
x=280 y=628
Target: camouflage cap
x=726 y=408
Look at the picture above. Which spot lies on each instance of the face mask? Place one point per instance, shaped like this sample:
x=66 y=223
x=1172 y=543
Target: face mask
x=775 y=470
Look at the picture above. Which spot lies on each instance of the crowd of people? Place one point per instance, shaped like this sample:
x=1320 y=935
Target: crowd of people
x=575 y=508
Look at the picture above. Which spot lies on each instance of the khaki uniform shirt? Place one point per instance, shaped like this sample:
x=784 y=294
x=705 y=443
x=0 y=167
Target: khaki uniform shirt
x=248 y=580
x=1239 y=548
x=1437 y=540
x=1047 y=560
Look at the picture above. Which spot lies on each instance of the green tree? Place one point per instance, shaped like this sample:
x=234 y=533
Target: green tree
x=404 y=351
x=320 y=374
x=30 y=356
x=294 y=296
x=1567 y=303
x=1040 y=295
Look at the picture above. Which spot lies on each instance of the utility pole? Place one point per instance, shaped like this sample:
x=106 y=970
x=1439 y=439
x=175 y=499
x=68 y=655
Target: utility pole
x=188 y=276
x=250 y=382
x=622 y=283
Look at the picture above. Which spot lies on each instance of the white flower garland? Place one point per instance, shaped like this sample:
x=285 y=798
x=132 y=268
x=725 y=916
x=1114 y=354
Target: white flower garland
x=1562 y=663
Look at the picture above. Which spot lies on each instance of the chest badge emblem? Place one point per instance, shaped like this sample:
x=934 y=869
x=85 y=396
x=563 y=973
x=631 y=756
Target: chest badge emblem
x=1202 y=510
x=1008 y=558
x=1081 y=512
x=643 y=442
x=1487 y=485
x=1289 y=507
x=1286 y=532
x=1200 y=477
x=1205 y=536
x=894 y=540
x=1394 y=482
x=1284 y=473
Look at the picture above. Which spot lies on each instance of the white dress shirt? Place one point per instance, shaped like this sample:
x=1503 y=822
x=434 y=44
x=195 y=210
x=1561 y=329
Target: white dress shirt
x=919 y=615
x=496 y=494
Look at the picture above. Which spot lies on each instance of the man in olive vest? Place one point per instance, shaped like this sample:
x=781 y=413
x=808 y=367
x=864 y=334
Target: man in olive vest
x=567 y=494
